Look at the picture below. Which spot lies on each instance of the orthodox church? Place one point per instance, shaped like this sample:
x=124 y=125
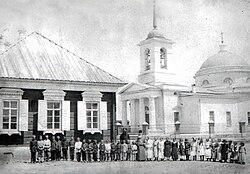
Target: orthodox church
x=217 y=105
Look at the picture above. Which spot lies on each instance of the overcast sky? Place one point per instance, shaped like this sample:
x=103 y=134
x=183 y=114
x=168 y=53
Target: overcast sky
x=106 y=32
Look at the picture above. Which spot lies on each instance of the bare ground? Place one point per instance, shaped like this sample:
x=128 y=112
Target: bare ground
x=20 y=164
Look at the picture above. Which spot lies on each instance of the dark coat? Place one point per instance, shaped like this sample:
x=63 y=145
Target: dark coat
x=124 y=136
x=167 y=148
x=33 y=145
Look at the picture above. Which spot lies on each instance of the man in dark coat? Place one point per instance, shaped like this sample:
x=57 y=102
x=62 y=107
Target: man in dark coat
x=53 y=148
x=187 y=149
x=102 y=150
x=95 y=150
x=167 y=149
x=124 y=136
x=65 y=145
x=84 y=150
x=72 y=148
x=58 y=148
x=33 y=149
x=224 y=148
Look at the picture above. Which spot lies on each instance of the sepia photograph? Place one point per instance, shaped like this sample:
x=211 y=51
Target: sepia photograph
x=125 y=86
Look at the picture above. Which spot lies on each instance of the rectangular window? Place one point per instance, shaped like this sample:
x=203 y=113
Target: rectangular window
x=229 y=119
x=10 y=114
x=92 y=115
x=176 y=116
x=211 y=115
x=54 y=114
x=248 y=118
x=109 y=120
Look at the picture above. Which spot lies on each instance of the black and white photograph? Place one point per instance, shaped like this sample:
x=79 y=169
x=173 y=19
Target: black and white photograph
x=125 y=86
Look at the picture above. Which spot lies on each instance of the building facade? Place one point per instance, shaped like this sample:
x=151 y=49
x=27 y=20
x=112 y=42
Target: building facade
x=216 y=105
x=46 y=89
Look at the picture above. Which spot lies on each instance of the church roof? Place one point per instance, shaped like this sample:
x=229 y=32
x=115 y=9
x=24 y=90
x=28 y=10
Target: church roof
x=37 y=57
x=155 y=34
x=223 y=61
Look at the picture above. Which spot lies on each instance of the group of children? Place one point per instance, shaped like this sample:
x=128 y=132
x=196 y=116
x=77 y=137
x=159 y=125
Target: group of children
x=139 y=150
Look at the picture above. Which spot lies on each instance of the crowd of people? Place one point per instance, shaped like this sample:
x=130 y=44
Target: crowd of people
x=142 y=149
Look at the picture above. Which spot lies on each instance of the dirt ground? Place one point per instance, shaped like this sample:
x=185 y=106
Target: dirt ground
x=20 y=164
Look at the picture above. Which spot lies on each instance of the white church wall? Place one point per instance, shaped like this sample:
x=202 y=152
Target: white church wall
x=244 y=108
x=190 y=115
x=220 y=107
x=159 y=113
x=170 y=102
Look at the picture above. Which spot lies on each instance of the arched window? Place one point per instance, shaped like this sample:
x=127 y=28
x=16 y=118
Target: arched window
x=228 y=81
x=147 y=59
x=163 y=58
x=205 y=82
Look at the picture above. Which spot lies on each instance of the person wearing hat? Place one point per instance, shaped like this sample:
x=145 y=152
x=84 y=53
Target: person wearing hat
x=242 y=153
x=224 y=148
x=187 y=149
x=124 y=136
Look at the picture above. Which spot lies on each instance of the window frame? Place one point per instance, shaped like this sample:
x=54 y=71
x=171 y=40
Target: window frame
x=53 y=122
x=213 y=116
x=147 y=59
x=228 y=113
x=92 y=115
x=248 y=118
x=10 y=116
x=176 y=115
x=163 y=58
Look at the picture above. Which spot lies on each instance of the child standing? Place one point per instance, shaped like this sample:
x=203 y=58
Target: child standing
x=113 y=151
x=134 y=151
x=124 y=149
x=129 y=151
x=107 y=150
x=102 y=149
x=118 y=151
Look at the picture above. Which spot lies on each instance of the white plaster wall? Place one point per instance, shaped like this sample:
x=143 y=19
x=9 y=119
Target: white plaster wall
x=190 y=115
x=220 y=107
x=159 y=113
x=244 y=107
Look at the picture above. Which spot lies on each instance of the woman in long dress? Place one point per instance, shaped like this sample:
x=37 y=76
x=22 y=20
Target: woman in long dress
x=155 y=149
x=208 y=150
x=167 y=149
x=141 y=151
x=175 y=150
x=201 y=150
x=149 y=149
x=161 y=149
x=193 y=152
x=242 y=153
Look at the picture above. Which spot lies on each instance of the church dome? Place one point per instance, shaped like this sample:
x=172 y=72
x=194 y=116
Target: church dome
x=155 y=34
x=223 y=61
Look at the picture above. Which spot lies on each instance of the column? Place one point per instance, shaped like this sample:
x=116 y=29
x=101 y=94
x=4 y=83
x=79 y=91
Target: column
x=152 y=118
x=141 y=118
x=124 y=113
x=132 y=114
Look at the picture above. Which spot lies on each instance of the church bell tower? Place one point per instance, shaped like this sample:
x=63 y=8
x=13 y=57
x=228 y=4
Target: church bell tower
x=155 y=51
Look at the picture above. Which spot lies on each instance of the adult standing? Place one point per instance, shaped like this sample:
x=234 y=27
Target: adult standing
x=58 y=148
x=141 y=153
x=53 y=148
x=155 y=149
x=174 y=150
x=124 y=136
x=78 y=147
x=65 y=146
x=181 y=147
x=224 y=148
x=208 y=150
x=33 y=149
x=187 y=149
x=149 y=149
x=193 y=152
x=161 y=149
x=167 y=149
x=72 y=148
x=40 y=149
x=84 y=150
x=47 y=146
x=242 y=153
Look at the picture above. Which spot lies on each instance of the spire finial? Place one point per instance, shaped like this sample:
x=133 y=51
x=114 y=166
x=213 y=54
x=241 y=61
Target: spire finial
x=222 y=37
x=154 y=16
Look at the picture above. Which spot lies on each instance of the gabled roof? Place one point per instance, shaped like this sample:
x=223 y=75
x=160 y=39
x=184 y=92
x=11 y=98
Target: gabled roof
x=37 y=57
x=132 y=87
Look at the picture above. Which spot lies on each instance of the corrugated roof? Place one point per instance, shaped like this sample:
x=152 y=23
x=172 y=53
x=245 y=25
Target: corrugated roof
x=37 y=57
